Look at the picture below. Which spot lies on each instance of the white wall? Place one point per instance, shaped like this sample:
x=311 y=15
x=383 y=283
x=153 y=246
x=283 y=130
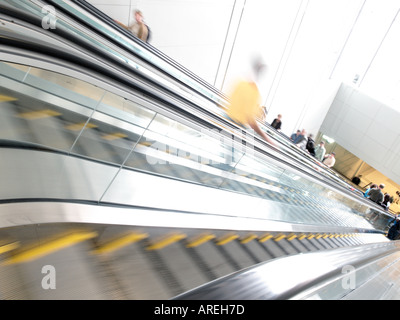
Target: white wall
x=366 y=127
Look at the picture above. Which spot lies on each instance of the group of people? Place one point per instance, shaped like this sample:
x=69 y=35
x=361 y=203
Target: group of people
x=305 y=143
x=375 y=194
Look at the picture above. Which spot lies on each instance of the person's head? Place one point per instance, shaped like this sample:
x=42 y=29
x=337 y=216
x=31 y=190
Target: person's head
x=374 y=186
x=322 y=143
x=138 y=16
x=381 y=186
x=303 y=132
x=279 y=116
x=333 y=154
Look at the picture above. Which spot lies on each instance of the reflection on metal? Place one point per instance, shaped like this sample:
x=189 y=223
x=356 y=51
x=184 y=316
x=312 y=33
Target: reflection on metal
x=114 y=136
x=316 y=273
x=9 y=247
x=4 y=98
x=80 y=126
x=40 y=114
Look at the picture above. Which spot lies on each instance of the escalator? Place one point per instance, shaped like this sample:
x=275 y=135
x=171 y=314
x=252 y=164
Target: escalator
x=110 y=164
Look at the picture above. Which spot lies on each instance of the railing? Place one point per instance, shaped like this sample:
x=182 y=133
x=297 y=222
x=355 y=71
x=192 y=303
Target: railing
x=327 y=275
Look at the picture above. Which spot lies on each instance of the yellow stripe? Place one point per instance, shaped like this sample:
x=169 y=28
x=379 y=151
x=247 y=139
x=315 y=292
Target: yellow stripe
x=114 y=136
x=79 y=126
x=33 y=115
x=50 y=247
x=226 y=239
x=325 y=236
x=8 y=247
x=4 y=98
x=302 y=236
x=166 y=241
x=279 y=237
x=145 y=143
x=248 y=238
x=120 y=242
x=292 y=237
x=318 y=236
x=199 y=240
x=310 y=236
x=265 y=237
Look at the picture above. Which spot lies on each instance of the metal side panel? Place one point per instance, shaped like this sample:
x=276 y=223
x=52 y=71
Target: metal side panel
x=28 y=174
x=33 y=174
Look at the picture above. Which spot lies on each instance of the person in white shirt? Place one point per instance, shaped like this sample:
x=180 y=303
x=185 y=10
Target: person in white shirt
x=329 y=160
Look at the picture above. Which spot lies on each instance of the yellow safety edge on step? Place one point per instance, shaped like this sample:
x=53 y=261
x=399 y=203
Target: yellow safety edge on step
x=166 y=241
x=248 y=238
x=226 y=239
x=199 y=240
x=265 y=237
x=120 y=242
x=279 y=237
x=291 y=237
x=50 y=247
x=9 y=247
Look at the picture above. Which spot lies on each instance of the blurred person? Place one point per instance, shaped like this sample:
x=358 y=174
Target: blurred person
x=372 y=186
x=301 y=140
x=376 y=195
x=329 y=160
x=356 y=180
x=138 y=27
x=302 y=144
x=310 y=146
x=320 y=151
x=386 y=202
x=244 y=107
x=302 y=136
x=394 y=231
x=277 y=123
x=396 y=200
x=295 y=135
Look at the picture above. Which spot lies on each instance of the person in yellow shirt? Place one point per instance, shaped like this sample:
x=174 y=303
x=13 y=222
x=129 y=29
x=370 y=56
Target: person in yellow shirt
x=245 y=104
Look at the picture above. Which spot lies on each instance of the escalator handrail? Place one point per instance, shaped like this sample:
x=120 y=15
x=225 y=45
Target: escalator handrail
x=291 y=277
